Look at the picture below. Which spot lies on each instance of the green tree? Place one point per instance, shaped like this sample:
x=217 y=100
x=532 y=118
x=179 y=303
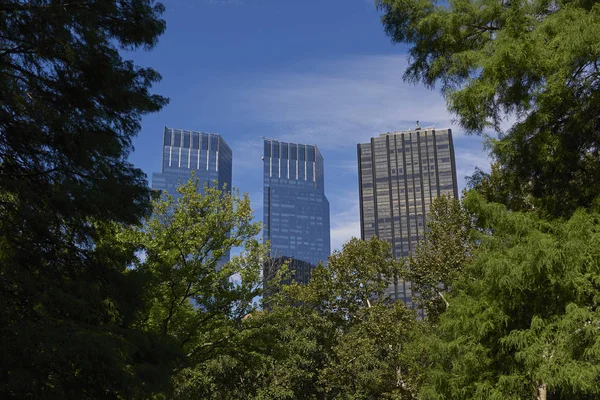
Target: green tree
x=355 y=278
x=195 y=301
x=533 y=61
x=364 y=359
x=440 y=258
x=368 y=360
x=523 y=320
x=336 y=338
x=70 y=106
x=501 y=186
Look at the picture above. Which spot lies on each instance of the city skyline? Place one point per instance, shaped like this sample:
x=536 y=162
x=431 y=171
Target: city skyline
x=335 y=85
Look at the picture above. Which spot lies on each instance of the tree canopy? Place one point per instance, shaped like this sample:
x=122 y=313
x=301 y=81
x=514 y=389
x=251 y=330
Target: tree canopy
x=523 y=316
x=534 y=63
x=196 y=299
x=70 y=106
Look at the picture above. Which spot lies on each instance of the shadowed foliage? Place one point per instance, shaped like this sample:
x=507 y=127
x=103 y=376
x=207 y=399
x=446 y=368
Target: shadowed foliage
x=70 y=106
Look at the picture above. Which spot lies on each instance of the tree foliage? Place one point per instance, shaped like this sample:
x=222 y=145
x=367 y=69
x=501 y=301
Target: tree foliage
x=524 y=313
x=69 y=108
x=501 y=186
x=195 y=301
x=440 y=258
x=533 y=61
x=522 y=316
x=334 y=338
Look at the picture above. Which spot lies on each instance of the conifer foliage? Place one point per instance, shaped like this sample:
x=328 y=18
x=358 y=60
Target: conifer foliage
x=70 y=106
x=524 y=315
x=532 y=62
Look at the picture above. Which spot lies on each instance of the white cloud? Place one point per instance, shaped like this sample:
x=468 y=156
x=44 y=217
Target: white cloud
x=343 y=102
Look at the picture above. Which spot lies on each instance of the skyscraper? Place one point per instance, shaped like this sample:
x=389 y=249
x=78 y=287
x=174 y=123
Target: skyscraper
x=206 y=154
x=400 y=174
x=296 y=210
x=185 y=151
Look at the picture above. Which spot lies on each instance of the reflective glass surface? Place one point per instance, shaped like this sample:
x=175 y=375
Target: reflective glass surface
x=206 y=154
x=296 y=210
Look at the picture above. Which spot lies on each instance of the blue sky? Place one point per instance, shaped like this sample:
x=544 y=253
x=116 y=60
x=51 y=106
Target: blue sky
x=312 y=71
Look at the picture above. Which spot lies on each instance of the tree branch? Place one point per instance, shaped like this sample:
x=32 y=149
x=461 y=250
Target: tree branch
x=443 y=298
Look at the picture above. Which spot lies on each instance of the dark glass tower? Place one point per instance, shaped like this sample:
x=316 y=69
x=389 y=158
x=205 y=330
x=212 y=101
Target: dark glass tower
x=184 y=151
x=296 y=210
x=400 y=174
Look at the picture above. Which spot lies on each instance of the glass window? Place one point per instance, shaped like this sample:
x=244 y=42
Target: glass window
x=214 y=143
x=284 y=150
x=310 y=156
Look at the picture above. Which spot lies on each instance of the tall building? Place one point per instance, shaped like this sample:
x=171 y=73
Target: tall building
x=400 y=174
x=206 y=154
x=185 y=151
x=296 y=210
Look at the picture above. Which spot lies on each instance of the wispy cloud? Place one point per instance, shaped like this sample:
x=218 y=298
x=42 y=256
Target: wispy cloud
x=247 y=154
x=337 y=104
x=343 y=102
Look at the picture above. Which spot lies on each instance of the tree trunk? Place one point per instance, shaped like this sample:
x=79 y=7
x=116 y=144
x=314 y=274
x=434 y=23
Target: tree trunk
x=542 y=391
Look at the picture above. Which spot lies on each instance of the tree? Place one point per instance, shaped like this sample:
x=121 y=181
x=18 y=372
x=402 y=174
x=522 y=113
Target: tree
x=69 y=108
x=364 y=360
x=440 y=258
x=523 y=320
x=355 y=278
x=195 y=301
x=368 y=360
x=335 y=338
x=501 y=186
x=535 y=62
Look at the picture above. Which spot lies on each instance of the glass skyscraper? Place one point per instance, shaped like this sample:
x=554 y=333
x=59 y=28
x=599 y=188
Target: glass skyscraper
x=400 y=174
x=185 y=151
x=206 y=154
x=296 y=210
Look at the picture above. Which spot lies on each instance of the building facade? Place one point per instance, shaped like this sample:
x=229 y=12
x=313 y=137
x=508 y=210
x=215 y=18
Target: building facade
x=206 y=154
x=400 y=174
x=296 y=210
